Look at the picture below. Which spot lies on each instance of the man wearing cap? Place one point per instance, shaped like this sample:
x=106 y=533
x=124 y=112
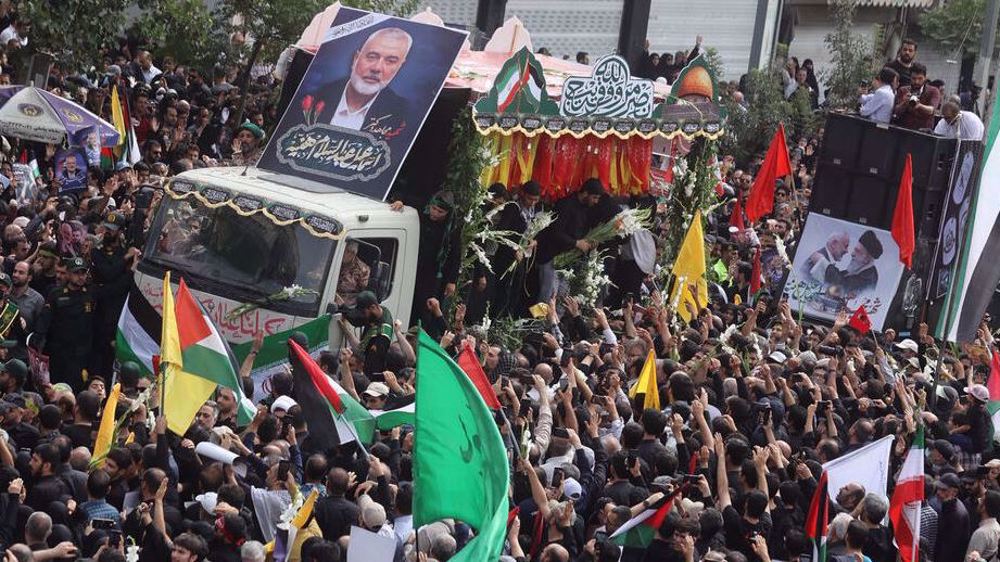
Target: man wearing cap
x=566 y=232
x=66 y=326
x=972 y=429
x=953 y=521
x=376 y=322
x=375 y=396
x=860 y=274
x=111 y=276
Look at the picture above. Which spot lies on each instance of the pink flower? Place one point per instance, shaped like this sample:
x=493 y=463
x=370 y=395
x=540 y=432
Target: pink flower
x=319 y=107
x=307 y=103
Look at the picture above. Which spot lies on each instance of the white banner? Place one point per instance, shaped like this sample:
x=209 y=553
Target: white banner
x=868 y=466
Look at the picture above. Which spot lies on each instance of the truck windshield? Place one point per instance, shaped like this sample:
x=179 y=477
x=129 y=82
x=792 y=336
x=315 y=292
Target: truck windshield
x=244 y=258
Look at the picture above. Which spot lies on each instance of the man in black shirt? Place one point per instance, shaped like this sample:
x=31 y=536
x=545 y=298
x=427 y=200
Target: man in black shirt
x=48 y=487
x=335 y=514
x=904 y=61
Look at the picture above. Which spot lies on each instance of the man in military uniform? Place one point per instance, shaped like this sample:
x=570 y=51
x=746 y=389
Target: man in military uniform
x=354 y=275
x=377 y=333
x=66 y=326
x=110 y=269
x=43 y=275
x=12 y=326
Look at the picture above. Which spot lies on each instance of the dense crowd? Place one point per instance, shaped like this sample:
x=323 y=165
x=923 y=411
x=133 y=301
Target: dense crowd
x=752 y=400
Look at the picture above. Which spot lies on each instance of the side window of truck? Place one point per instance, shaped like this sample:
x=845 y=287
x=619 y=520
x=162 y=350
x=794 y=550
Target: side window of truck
x=388 y=250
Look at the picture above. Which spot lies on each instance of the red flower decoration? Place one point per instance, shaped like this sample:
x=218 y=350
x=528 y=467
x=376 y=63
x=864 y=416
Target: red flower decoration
x=319 y=107
x=307 y=103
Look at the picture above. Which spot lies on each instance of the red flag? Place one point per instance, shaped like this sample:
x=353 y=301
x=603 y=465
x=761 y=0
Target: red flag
x=993 y=381
x=776 y=165
x=470 y=364
x=319 y=378
x=755 y=274
x=736 y=218
x=902 y=217
x=860 y=320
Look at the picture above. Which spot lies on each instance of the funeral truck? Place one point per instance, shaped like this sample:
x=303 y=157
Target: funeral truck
x=264 y=252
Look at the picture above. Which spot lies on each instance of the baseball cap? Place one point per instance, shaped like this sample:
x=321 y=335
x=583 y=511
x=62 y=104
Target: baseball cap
x=16 y=367
x=283 y=403
x=908 y=344
x=6 y=280
x=377 y=389
x=777 y=357
x=572 y=489
x=948 y=480
x=365 y=299
x=979 y=392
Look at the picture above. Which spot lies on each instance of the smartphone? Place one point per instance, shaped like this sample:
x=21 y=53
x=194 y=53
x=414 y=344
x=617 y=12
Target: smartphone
x=567 y=354
x=600 y=536
x=525 y=409
x=376 y=377
x=598 y=399
x=557 y=477
x=560 y=432
x=283 y=468
x=504 y=381
x=102 y=524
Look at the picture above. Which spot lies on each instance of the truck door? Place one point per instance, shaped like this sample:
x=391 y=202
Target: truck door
x=371 y=261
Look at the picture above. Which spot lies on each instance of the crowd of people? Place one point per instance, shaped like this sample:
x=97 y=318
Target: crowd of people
x=752 y=400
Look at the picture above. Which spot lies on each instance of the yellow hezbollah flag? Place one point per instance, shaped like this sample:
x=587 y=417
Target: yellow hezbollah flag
x=647 y=384
x=689 y=269
x=106 y=431
x=118 y=115
x=183 y=393
x=302 y=516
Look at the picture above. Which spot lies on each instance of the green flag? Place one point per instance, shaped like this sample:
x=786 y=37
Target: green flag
x=460 y=467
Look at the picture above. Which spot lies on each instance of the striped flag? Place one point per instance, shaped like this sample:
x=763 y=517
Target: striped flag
x=333 y=415
x=639 y=531
x=904 y=509
x=138 y=335
x=977 y=273
x=388 y=419
x=818 y=519
x=993 y=385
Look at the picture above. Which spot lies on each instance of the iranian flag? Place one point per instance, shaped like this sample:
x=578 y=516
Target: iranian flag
x=993 y=385
x=904 y=509
x=514 y=80
x=818 y=519
x=640 y=530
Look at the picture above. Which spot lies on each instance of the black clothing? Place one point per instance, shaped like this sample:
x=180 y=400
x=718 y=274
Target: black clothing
x=66 y=327
x=46 y=490
x=111 y=277
x=571 y=224
x=335 y=515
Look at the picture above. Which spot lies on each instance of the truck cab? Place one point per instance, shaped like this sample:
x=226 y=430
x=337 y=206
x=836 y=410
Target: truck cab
x=267 y=252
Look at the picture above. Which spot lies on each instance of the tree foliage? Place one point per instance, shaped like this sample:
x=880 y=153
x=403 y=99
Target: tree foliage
x=184 y=29
x=75 y=32
x=851 y=57
x=749 y=130
x=956 y=24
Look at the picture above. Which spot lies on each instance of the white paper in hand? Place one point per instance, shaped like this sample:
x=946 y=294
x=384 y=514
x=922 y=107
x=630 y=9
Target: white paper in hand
x=366 y=546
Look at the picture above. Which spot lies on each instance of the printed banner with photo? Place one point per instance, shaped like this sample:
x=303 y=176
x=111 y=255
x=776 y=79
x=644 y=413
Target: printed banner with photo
x=71 y=170
x=841 y=265
x=360 y=104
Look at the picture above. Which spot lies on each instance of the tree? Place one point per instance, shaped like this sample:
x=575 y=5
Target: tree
x=75 y=32
x=956 y=24
x=184 y=29
x=852 y=60
x=749 y=130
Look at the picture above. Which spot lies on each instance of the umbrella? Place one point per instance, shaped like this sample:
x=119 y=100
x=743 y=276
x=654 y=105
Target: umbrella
x=33 y=114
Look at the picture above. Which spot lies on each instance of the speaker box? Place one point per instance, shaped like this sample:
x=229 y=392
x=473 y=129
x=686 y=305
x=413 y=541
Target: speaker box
x=831 y=191
x=869 y=201
x=842 y=141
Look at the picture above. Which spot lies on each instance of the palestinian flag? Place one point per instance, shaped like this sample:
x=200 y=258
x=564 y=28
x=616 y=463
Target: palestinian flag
x=904 y=509
x=976 y=271
x=639 y=531
x=818 y=518
x=469 y=363
x=138 y=335
x=205 y=352
x=127 y=150
x=388 y=419
x=993 y=385
x=333 y=416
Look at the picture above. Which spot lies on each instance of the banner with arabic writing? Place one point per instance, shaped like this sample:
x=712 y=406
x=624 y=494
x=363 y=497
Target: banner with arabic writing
x=608 y=102
x=361 y=103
